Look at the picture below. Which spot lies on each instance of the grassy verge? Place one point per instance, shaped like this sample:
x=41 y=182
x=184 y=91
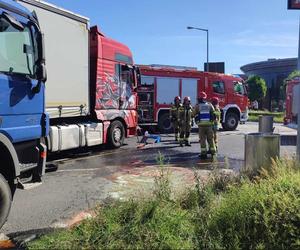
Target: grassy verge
x=254 y=116
x=227 y=212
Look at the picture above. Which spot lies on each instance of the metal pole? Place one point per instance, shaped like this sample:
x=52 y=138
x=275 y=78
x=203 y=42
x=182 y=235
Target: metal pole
x=298 y=66
x=298 y=114
x=207 y=52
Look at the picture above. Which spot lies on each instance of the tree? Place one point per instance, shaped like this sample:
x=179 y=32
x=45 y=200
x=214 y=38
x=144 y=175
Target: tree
x=295 y=73
x=257 y=88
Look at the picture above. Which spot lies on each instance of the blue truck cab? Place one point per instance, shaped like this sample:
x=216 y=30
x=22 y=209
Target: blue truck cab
x=23 y=122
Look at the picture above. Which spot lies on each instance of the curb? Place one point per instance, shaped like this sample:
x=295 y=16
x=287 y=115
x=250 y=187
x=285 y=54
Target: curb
x=20 y=240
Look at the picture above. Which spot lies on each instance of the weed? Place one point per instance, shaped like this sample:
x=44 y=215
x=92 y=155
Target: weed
x=224 y=213
x=162 y=186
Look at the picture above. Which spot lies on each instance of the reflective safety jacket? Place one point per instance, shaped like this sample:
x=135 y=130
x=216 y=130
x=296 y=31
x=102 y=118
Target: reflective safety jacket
x=217 y=115
x=186 y=115
x=174 y=112
x=204 y=114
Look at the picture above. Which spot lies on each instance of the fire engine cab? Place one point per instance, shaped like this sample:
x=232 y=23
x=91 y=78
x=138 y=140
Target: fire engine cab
x=159 y=85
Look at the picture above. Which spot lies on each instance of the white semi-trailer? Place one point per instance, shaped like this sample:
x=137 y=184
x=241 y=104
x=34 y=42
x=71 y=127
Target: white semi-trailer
x=76 y=86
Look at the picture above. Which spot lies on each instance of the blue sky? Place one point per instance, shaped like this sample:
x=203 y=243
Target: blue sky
x=241 y=31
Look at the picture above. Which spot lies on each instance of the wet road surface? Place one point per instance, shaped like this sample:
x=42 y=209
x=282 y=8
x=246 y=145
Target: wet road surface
x=83 y=182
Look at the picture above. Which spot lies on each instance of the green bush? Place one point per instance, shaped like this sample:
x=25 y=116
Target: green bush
x=254 y=115
x=225 y=213
x=257 y=88
x=260 y=215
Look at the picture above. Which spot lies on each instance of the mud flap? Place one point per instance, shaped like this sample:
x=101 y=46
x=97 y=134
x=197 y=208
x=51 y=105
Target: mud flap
x=40 y=170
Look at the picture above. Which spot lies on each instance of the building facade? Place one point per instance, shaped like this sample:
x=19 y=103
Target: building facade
x=273 y=71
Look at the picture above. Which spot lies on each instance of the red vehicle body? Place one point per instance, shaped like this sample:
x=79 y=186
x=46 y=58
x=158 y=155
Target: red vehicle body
x=91 y=93
x=113 y=82
x=292 y=102
x=159 y=86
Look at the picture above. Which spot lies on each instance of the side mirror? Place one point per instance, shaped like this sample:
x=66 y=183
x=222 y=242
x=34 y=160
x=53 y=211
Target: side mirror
x=41 y=73
x=137 y=76
x=41 y=48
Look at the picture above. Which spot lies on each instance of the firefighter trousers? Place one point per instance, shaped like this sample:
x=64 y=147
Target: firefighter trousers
x=185 y=131
x=215 y=136
x=176 y=129
x=206 y=134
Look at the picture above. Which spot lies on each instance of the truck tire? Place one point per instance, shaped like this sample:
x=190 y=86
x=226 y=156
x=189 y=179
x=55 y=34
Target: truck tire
x=116 y=134
x=165 y=124
x=5 y=200
x=231 y=122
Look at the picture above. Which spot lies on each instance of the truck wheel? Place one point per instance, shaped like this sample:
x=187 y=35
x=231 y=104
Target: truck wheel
x=231 y=122
x=116 y=134
x=5 y=200
x=165 y=124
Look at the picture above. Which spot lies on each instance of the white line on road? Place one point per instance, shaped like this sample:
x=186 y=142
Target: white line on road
x=77 y=170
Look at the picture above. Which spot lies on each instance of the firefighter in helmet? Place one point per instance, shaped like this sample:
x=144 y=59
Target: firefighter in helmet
x=185 y=120
x=204 y=116
x=174 y=115
x=217 y=118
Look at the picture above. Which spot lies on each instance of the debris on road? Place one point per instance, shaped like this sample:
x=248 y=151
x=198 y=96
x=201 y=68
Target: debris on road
x=5 y=242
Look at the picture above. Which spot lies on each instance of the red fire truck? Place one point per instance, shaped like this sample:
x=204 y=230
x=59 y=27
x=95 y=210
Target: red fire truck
x=160 y=84
x=292 y=103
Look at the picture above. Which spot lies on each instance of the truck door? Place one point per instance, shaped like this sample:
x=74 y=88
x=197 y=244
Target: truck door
x=128 y=97
x=21 y=108
x=218 y=90
x=239 y=95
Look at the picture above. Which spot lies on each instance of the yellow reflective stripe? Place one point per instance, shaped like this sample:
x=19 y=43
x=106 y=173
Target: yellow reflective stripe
x=205 y=123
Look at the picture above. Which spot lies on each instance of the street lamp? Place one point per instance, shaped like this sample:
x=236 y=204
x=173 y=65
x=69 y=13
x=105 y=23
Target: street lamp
x=206 y=30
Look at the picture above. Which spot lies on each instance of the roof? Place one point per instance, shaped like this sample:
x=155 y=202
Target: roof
x=179 y=72
x=15 y=7
x=56 y=9
x=270 y=63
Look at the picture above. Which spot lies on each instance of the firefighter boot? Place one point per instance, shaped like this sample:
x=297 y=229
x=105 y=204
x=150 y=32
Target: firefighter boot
x=214 y=157
x=203 y=156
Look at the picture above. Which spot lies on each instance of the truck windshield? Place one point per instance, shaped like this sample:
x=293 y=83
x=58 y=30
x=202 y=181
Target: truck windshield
x=17 y=50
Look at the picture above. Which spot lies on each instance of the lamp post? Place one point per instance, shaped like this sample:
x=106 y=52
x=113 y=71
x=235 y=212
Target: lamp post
x=207 y=51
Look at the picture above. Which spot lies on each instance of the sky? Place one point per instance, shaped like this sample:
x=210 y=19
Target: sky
x=240 y=31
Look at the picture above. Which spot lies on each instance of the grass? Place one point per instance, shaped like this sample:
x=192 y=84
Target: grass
x=228 y=212
x=254 y=116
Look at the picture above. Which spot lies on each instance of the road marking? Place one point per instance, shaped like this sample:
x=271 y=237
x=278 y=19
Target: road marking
x=77 y=170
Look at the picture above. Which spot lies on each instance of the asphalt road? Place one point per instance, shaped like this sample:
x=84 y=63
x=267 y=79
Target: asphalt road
x=82 y=182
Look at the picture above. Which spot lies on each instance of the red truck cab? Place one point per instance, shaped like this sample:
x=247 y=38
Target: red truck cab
x=113 y=85
x=159 y=85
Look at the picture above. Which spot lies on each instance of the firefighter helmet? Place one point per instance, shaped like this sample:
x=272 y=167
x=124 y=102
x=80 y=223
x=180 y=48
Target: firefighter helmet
x=177 y=99
x=215 y=100
x=202 y=95
x=187 y=99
